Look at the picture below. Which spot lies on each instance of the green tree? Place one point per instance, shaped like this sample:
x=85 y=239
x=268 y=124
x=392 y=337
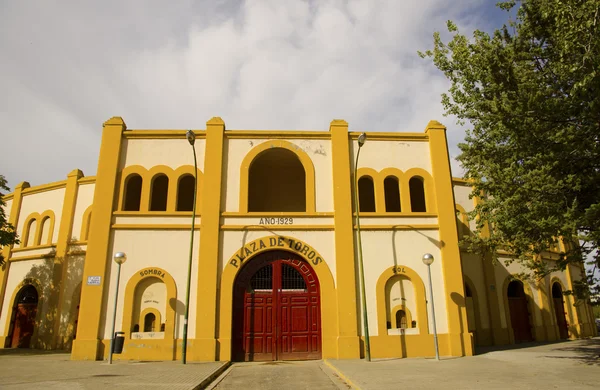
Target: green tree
x=530 y=96
x=8 y=235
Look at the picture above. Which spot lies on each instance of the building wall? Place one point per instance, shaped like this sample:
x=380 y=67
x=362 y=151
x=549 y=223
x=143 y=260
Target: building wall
x=226 y=237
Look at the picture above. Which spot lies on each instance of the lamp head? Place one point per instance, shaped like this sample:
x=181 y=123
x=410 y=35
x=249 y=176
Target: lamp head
x=120 y=257
x=427 y=259
x=361 y=139
x=191 y=137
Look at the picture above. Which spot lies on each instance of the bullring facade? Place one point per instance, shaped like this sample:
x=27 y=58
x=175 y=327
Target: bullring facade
x=274 y=273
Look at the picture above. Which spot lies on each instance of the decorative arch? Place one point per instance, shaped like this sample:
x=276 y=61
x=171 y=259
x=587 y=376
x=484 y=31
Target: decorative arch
x=463 y=221
x=128 y=303
x=85 y=224
x=406 y=311
x=378 y=200
x=475 y=297
x=419 y=287
x=148 y=174
x=430 y=203
x=9 y=318
x=304 y=158
x=39 y=220
x=157 y=318
x=399 y=175
x=530 y=306
x=566 y=306
x=251 y=249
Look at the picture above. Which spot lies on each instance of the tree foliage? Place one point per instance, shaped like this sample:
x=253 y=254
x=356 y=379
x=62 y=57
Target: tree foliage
x=8 y=235
x=530 y=94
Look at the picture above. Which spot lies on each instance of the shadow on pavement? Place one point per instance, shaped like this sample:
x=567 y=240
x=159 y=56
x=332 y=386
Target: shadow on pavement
x=584 y=351
x=30 y=352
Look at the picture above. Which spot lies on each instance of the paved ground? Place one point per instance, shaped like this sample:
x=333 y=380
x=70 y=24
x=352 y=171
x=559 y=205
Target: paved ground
x=28 y=369
x=314 y=375
x=566 y=365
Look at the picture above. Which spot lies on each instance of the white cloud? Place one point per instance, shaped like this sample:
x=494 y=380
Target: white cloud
x=67 y=67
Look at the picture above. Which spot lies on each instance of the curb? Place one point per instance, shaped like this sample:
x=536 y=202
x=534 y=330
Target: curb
x=215 y=374
x=341 y=375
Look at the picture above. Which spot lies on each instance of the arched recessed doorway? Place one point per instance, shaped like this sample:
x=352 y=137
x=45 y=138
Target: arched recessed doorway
x=23 y=317
x=276 y=310
x=559 y=311
x=519 y=312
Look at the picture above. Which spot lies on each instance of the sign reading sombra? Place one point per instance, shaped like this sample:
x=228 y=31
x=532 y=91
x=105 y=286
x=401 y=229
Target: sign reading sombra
x=279 y=242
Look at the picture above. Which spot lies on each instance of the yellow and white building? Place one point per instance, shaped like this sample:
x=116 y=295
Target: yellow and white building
x=274 y=270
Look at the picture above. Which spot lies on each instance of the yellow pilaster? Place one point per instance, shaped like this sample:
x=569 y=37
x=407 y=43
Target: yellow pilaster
x=59 y=273
x=88 y=345
x=13 y=218
x=575 y=324
x=498 y=334
x=204 y=346
x=547 y=326
x=348 y=341
x=459 y=341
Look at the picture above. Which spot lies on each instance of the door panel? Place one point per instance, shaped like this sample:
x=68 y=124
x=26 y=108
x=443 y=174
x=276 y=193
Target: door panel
x=519 y=317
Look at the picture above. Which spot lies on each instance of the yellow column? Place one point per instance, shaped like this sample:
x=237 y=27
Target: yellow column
x=575 y=323
x=59 y=273
x=499 y=335
x=545 y=330
x=204 y=346
x=88 y=345
x=348 y=341
x=13 y=219
x=458 y=338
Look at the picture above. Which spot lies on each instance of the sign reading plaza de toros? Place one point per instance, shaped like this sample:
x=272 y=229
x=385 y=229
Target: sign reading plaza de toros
x=275 y=242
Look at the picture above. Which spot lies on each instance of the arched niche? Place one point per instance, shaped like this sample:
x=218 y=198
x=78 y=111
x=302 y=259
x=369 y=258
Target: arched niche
x=148 y=279
x=268 y=152
x=401 y=272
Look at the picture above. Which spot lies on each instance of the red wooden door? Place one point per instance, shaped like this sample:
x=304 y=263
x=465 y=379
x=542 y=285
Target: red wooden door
x=23 y=325
x=281 y=313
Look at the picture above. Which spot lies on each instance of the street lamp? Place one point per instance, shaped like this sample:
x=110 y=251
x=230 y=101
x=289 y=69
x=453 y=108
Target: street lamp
x=191 y=137
x=361 y=141
x=119 y=258
x=428 y=260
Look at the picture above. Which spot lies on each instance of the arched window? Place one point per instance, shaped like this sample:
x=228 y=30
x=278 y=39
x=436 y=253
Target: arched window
x=276 y=182
x=366 y=194
x=185 y=193
x=515 y=290
x=149 y=322
x=45 y=232
x=401 y=320
x=159 y=194
x=557 y=291
x=30 y=233
x=133 y=193
x=468 y=293
x=392 y=194
x=417 y=194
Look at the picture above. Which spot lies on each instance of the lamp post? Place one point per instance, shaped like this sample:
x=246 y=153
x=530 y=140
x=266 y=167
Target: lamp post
x=361 y=141
x=191 y=137
x=119 y=258
x=428 y=260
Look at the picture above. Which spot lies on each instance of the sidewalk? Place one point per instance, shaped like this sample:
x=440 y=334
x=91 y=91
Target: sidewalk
x=564 y=365
x=36 y=369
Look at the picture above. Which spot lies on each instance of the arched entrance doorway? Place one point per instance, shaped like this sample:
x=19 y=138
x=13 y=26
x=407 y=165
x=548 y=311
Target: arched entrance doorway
x=519 y=312
x=559 y=311
x=276 y=310
x=24 y=312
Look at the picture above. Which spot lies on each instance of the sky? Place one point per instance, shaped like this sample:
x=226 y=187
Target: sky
x=67 y=67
